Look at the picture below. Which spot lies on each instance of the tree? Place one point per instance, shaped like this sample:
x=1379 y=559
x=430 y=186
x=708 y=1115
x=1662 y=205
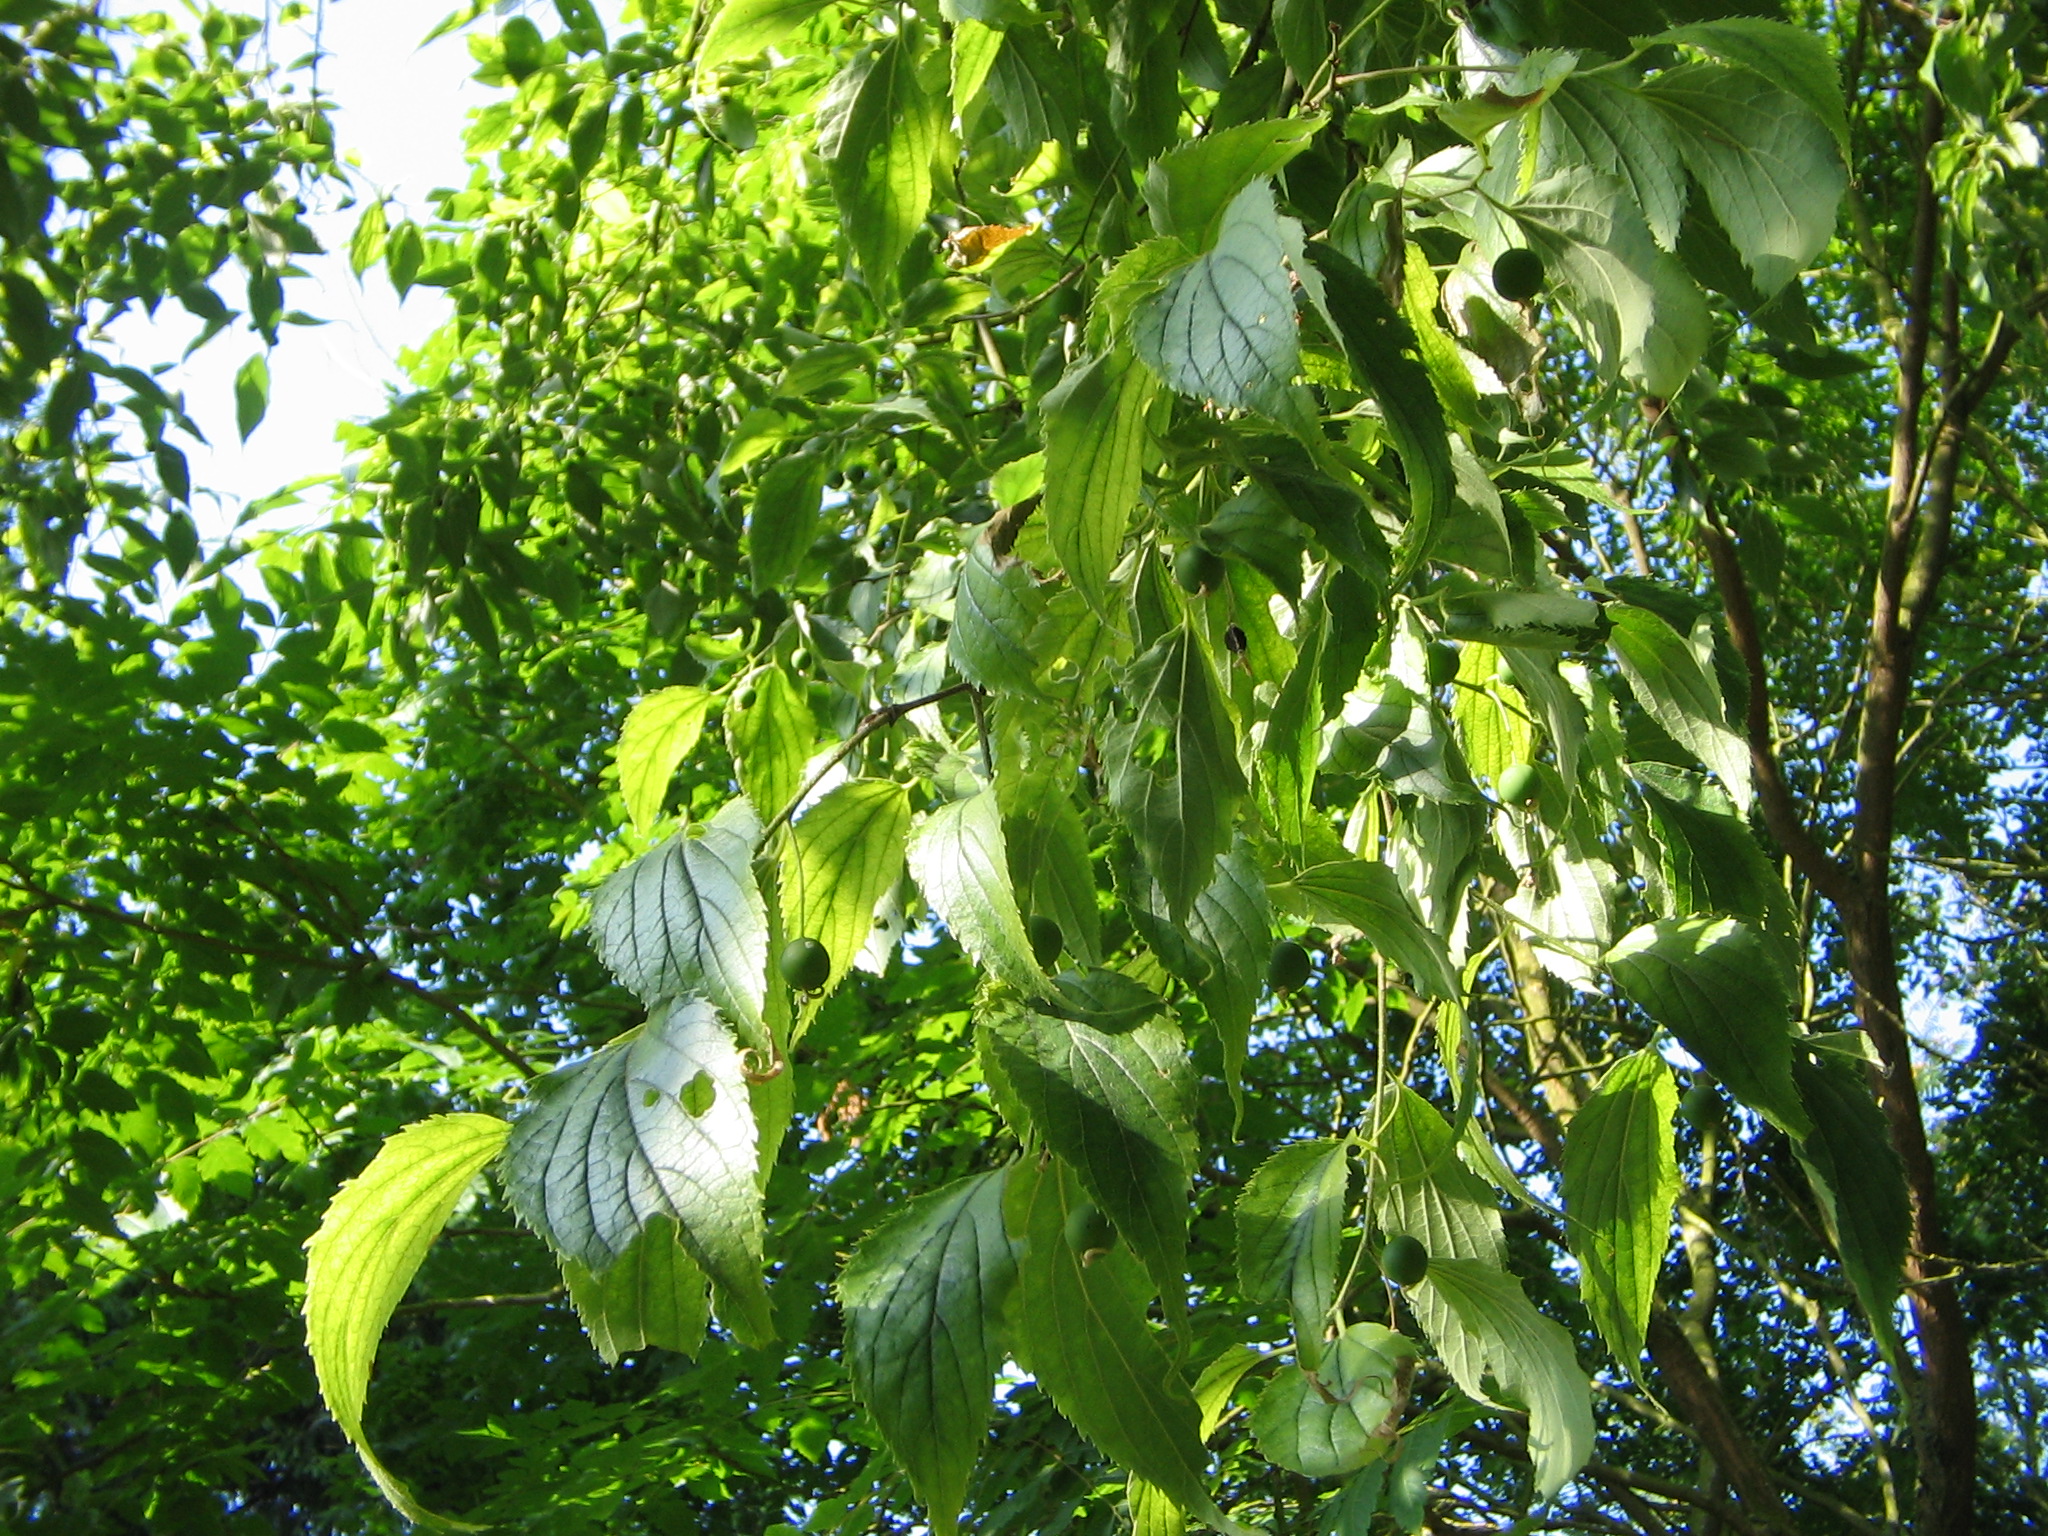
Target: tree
x=1145 y=797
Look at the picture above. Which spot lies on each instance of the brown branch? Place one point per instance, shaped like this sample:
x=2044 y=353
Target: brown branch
x=1701 y=1404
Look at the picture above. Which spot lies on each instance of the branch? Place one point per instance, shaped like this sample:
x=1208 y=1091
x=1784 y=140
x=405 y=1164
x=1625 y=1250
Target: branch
x=467 y=1303
x=876 y=720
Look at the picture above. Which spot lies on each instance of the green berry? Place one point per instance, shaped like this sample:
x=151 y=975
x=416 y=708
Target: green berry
x=1046 y=940
x=1701 y=1106
x=1198 y=570
x=1289 y=966
x=1520 y=784
x=805 y=965
x=1518 y=274
x=1443 y=663
x=1089 y=1231
x=1404 y=1261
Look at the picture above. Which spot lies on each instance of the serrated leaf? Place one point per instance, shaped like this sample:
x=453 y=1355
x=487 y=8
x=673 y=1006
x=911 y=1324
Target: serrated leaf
x=1050 y=862
x=1672 y=681
x=770 y=737
x=1223 y=327
x=1189 y=190
x=1119 y=1109
x=252 y=394
x=785 y=518
x=1771 y=169
x=370 y=1243
x=608 y=1146
x=1596 y=120
x=1095 y=449
x=1332 y=1419
x=1709 y=859
x=1631 y=302
x=1620 y=1182
x=958 y=859
x=1855 y=1172
x=660 y=731
x=1713 y=984
x=922 y=1295
x=654 y=1297
x=843 y=859
x=974 y=49
x=688 y=918
x=882 y=164
x=743 y=28
x=1528 y=1355
x=1290 y=1228
x=1173 y=773
x=1794 y=58
x=1368 y=897
x=996 y=605
x=1102 y=999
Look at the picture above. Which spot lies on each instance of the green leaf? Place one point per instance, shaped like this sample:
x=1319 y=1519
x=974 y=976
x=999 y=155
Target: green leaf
x=688 y=919
x=1385 y=360
x=1345 y=1412
x=959 y=862
x=252 y=394
x=996 y=604
x=1713 y=984
x=1528 y=1355
x=882 y=167
x=1095 y=450
x=1189 y=189
x=743 y=28
x=1290 y=1226
x=370 y=1243
x=610 y=1144
x=1796 y=59
x=1631 y=303
x=922 y=1296
x=1368 y=897
x=661 y=730
x=1708 y=859
x=1855 y=1171
x=1050 y=862
x=1771 y=169
x=1119 y=1108
x=1152 y=1512
x=1293 y=740
x=843 y=859
x=1596 y=120
x=770 y=736
x=975 y=46
x=1080 y=1328
x=403 y=255
x=1103 y=999
x=1302 y=30
x=1173 y=773
x=1620 y=1182
x=654 y=1297
x=1673 y=679
x=785 y=518
x=1223 y=327
x=366 y=245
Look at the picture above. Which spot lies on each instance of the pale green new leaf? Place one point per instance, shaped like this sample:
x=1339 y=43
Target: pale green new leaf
x=842 y=860
x=1771 y=169
x=1223 y=328
x=1620 y=1181
x=1712 y=983
x=996 y=604
x=743 y=28
x=654 y=1297
x=770 y=729
x=1095 y=448
x=1152 y=1512
x=1332 y=1419
x=1368 y=897
x=659 y=733
x=1677 y=686
x=1529 y=1357
x=370 y=1243
x=922 y=1296
x=1119 y=1109
x=958 y=859
x=882 y=164
x=1290 y=1226
x=658 y=1123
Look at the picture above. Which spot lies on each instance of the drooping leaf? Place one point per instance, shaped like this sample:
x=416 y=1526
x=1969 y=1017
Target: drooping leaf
x=1293 y=739
x=882 y=163
x=656 y=1124
x=660 y=731
x=842 y=861
x=1671 y=680
x=770 y=729
x=1368 y=897
x=1119 y=1109
x=1711 y=982
x=1049 y=855
x=1709 y=860
x=1095 y=449
x=1290 y=1225
x=1855 y=1172
x=1620 y=1182
x=923 y=1296
x=1794 y=58
x=654 y=1297
x=369 y=1245
x=996 y=604
x=1102 y=999
x=1333 y=1418
x=786 y=517
x=958 y=859
x=688 y=918
x=252 y=394
x=1528 y=1355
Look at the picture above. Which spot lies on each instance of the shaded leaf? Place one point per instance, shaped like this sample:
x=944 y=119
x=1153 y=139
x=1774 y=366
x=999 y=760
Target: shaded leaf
x=1290 y=1226
x=1368 y=897
x=1676 y=684
x=996 y=604
x=654 y=1297
x=1334 y=1418
x=1855 y=1171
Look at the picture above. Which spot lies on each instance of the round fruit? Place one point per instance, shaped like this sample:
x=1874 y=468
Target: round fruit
x=1289 y=966
x=1518 y=274
x=1519 y=784
x=1443 y=663
x=1198 y=570
x=1701 y=1106
x=1046 y=940
x=1404 y=1261
x=1089 y=1231
x=805 y=965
